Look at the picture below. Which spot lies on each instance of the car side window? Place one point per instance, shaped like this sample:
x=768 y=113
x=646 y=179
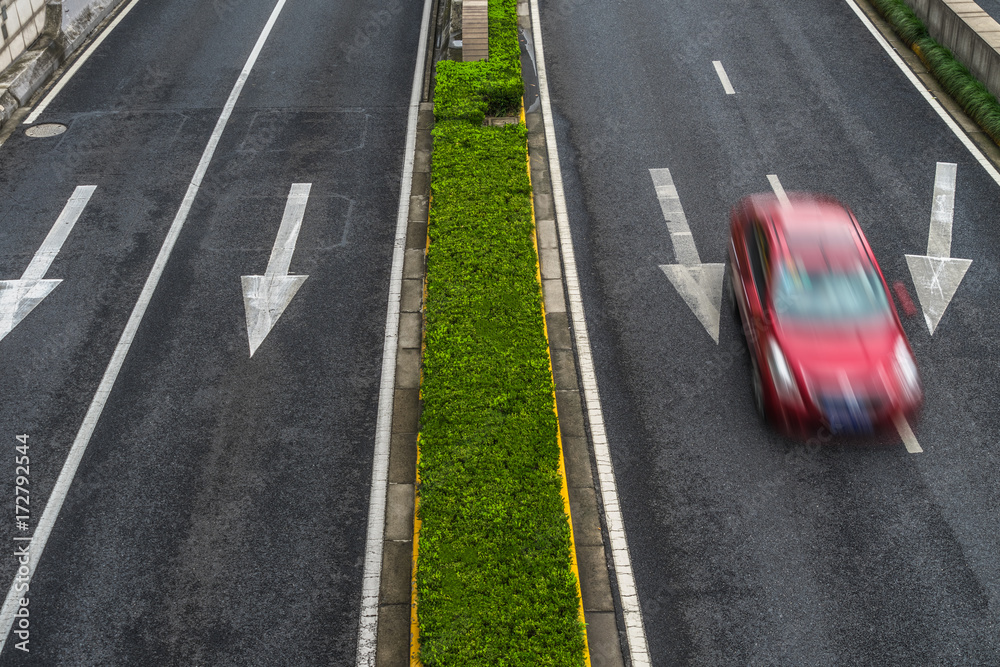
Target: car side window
x=755 y=243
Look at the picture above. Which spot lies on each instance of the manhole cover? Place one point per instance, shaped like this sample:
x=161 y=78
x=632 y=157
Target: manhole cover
x=45 y=130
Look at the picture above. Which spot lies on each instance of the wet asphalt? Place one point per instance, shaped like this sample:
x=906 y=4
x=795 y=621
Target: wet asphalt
x=748 y=547
x=218 y=516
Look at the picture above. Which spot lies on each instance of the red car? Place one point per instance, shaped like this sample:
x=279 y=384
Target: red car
x=826 y=345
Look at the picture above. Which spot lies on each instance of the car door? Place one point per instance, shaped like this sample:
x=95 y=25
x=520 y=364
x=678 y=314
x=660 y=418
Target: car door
x=758 y=256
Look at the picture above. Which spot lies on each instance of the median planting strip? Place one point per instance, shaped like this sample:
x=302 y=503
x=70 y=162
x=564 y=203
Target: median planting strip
x=495 y=576
x=974 y=98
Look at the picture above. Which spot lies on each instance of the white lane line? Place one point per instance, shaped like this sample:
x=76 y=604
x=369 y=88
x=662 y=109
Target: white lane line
x=906 y=433
x=65 y=479
x=634 y=630
x=372 y=576
x=948 y=120
x=723 y=77
x=33 y=116
x=778 y=190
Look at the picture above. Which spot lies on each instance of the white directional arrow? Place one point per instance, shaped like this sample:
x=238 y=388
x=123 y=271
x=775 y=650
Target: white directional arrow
x=700 y=285
x=266 y=297
x=937 y=274
x=19 y=297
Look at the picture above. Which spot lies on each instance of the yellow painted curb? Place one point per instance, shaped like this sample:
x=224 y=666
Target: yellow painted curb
x=414 y=621
x=564 y=485
x=414 y=626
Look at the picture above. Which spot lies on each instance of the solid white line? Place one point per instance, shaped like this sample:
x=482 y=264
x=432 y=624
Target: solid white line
x=942 y=210
x=778 y=190
x=948 y=120
x=632 y=612
x=33 y=116
x=371 y=579
x=723 y=77
x=288 y=230
x=906 y=433
x=61 y=488
x=53 y=242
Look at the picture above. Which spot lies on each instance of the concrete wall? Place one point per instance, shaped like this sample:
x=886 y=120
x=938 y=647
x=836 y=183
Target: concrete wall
x=971 y=34
x=21 y=21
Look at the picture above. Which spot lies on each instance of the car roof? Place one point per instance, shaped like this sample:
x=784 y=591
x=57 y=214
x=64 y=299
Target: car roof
x=813 y=230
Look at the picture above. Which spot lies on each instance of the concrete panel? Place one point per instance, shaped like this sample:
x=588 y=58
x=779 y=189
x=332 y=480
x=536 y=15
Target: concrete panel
x=969 y=32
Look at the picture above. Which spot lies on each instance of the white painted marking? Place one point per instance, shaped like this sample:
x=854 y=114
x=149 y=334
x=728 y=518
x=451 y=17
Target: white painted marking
x=19 y=297
x=942 y=210
x=266 y=297
x=68 y=472
x=909 y=440
x=375 y=540
x=723 y=77
x=631 y=611
x=908 y=73
x=700 y=285
x=685 y=250
x=936 y=279
x=56 y=89
x=937 y=275
x=778 y=190
x=701 y=289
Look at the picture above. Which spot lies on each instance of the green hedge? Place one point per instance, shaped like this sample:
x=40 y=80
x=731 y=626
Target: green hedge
x=469 y=91
x=972 y=96
x=495 y=584
x=494 y=578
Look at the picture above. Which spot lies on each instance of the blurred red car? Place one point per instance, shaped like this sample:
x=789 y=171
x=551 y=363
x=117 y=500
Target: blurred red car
x=826 y=345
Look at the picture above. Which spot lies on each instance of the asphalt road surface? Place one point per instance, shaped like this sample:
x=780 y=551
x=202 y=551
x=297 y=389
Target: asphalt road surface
x=750 y=548
x=218 y=515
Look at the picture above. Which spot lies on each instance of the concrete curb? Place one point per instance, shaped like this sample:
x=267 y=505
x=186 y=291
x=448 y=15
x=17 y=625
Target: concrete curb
x=598 y=596
x=74 y=35
x=36 y=66
x=603 y=636
x=393 y=637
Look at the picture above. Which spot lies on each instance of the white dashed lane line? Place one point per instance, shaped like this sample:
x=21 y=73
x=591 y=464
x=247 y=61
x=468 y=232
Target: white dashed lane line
x=723 y=77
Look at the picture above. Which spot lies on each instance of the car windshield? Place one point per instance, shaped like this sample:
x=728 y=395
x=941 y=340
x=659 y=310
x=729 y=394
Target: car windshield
x=829 y=295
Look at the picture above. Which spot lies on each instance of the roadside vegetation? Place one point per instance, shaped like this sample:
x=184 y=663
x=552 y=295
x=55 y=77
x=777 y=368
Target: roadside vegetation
x=494 y=579
x=973 y=96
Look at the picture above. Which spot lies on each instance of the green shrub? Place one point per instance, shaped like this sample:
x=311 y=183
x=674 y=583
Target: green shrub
x=904 y=21
x=494 y=579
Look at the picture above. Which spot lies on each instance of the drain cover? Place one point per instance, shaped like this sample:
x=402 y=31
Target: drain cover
x=45 y=130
